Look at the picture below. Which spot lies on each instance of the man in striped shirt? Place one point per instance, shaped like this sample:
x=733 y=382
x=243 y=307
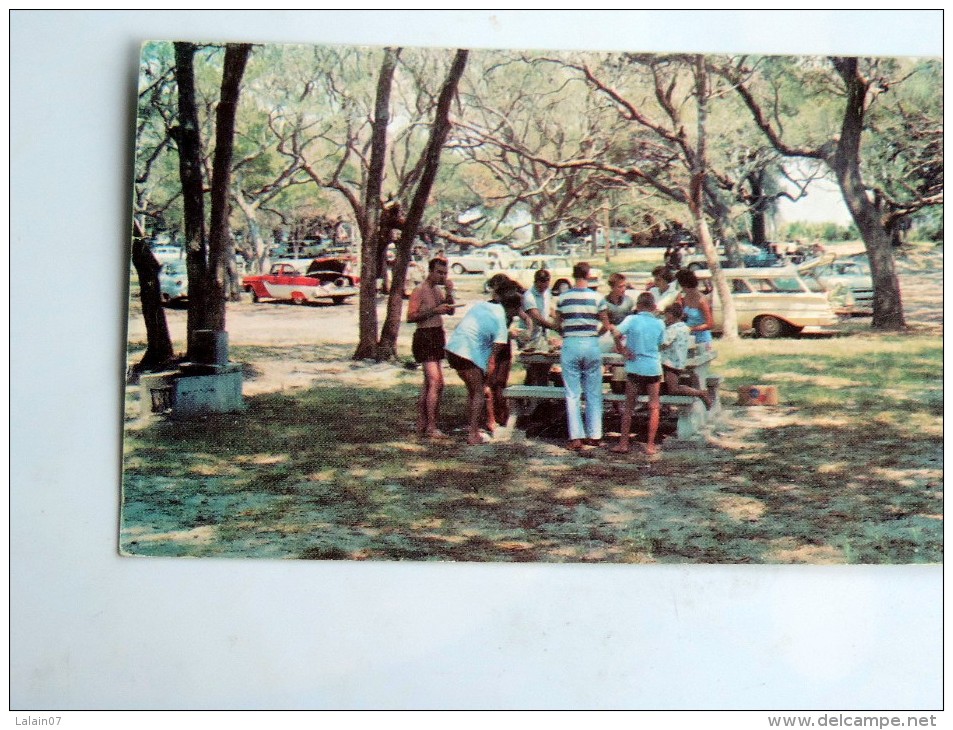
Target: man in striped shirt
x=580 y=312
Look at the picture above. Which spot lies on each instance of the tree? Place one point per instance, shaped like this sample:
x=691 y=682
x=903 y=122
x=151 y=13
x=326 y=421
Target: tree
x=439 y=130
x=189 y=143
x=904 y=155
x=858 y=84
x=660 y=153
x=221 y=250
x=207 y=261
x=152 y=140
x=159 y=353
x=367 y=142
x=845 y=161
x=371 y=235
x=521 y=116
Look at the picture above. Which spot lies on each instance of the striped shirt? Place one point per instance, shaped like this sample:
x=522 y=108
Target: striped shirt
x=579 y=311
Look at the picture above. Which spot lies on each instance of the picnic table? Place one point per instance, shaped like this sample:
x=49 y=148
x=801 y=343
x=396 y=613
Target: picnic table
x=691 y=412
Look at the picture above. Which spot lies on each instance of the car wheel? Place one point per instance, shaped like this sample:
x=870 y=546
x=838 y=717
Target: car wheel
x=769 y=327
x=299 y=298
x=457 y=269
x=254 y=296
x=338 y=300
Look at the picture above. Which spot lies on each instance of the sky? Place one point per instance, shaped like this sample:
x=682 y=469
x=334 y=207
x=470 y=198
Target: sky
x=822 y=203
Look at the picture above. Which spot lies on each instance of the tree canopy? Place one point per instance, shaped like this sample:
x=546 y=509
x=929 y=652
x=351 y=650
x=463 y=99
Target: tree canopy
x=539 y=145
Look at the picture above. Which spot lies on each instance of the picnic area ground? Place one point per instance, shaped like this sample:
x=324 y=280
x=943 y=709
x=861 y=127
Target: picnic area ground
x=324 y=463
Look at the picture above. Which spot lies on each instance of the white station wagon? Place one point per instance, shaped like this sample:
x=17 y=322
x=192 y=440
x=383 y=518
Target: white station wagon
x=771 y=301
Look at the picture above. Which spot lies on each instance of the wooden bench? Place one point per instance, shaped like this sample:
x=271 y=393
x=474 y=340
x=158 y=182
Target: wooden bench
x=700 y=365
x=692 y=414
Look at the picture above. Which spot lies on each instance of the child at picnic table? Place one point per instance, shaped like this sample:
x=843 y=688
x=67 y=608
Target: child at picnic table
x=639 y=338
x=678 y=338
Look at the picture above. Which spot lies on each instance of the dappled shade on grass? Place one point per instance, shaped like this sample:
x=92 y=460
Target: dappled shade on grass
x=848 y=470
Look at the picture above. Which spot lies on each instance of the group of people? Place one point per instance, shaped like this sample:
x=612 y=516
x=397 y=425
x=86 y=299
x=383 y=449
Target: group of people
x=479 y=350
x=655 y=350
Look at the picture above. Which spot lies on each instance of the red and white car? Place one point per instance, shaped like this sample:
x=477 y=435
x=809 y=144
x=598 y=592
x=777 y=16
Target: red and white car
x=303 y=282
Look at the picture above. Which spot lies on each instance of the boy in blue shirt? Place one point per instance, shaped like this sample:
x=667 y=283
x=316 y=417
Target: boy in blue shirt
x=643 y=335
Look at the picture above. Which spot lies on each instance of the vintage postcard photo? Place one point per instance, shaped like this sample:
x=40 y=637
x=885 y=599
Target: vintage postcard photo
x=396 y=303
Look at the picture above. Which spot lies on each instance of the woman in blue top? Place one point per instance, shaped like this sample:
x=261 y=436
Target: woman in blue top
x=697 y=311
x=481 y=335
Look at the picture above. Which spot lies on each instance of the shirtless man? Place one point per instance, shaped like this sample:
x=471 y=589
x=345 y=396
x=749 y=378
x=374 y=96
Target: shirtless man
x=427 y=303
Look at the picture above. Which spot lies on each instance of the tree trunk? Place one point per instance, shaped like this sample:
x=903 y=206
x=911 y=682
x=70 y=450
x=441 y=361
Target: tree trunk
x=696 y=201
x=729 y=318
x=370 y=227
x=759 y=209
x=259 y=248
x=221 y=246
x=189 y=144
x=387 y=347
x=888 y=307
x=159 y=353
x=721 y=228
x=844 y=158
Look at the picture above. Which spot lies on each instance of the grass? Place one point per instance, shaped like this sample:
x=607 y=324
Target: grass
x=848 y=469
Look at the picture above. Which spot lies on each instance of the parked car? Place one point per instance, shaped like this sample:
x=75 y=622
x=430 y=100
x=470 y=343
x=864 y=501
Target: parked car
x=168 y=252
x=173 y=281
x=524 y=268
x=771 y=301
x=481 y=261
x=751 y=256
x=302 y=282
x=847 y=281
x=307 y=249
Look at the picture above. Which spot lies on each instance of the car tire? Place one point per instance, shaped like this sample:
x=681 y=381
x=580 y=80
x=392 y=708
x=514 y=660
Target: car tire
x=338 y=300
x=299 y=298
x=457 y=269
x=770 y=327
x=254 y=297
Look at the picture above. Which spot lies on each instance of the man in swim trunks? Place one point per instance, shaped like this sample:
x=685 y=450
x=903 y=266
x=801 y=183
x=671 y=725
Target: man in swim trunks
x=428 y=302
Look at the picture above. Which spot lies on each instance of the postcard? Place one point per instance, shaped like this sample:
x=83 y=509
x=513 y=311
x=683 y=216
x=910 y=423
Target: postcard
x=424 y=304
